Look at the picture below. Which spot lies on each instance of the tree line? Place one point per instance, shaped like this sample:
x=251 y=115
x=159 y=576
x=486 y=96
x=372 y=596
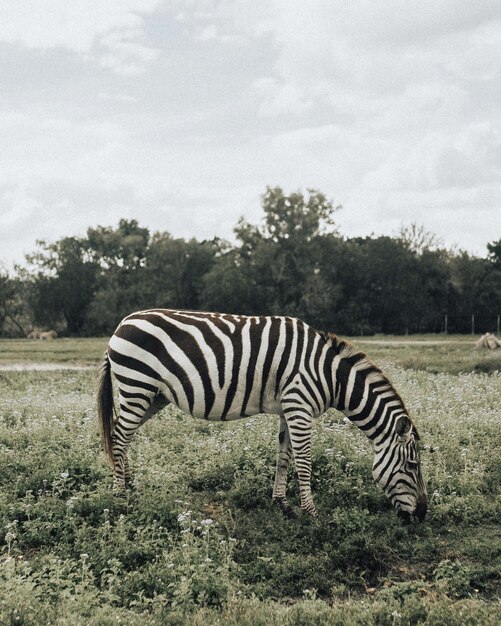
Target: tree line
x=295 y=262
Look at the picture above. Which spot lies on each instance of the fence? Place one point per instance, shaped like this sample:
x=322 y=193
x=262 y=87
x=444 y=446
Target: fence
x=449 y=324
x=473 y=324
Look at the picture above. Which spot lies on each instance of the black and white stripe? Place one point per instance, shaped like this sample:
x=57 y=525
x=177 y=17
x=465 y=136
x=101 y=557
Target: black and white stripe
x=224 y=367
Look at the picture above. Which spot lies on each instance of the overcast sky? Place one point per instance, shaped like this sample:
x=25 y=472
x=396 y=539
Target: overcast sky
x=179 y=113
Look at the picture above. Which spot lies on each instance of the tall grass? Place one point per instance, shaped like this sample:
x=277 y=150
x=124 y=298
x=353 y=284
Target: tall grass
x=199 y=541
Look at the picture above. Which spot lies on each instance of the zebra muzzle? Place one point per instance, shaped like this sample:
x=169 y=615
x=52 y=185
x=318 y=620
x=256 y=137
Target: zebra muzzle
x=421 y=508
x=405 y=516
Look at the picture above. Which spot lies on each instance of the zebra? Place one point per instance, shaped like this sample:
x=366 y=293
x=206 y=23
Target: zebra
x=219 y=366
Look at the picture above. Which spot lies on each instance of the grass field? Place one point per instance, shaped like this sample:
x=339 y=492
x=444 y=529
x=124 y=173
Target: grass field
x=431 y=353
x=199 y=542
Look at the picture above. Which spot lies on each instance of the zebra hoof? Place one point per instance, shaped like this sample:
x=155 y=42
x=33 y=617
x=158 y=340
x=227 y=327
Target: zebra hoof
x=286 y=508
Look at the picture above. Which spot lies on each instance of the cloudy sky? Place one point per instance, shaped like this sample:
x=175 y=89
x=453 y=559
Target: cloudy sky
x=180 y=112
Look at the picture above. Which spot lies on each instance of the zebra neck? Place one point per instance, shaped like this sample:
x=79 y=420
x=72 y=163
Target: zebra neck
x=377 y=415
x=364 y=394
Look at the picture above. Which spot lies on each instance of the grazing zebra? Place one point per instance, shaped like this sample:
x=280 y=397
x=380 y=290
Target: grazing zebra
x=224 y=367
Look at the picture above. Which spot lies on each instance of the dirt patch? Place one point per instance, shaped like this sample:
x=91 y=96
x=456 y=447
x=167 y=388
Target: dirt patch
x=35 y=367
x=417 y=342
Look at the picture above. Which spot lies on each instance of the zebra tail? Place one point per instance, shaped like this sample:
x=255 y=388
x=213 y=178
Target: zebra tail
x=105 y=407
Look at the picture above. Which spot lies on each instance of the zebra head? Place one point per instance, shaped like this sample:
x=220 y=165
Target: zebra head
x=397 y=469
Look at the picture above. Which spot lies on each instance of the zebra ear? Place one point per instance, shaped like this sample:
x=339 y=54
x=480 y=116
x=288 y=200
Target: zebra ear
x=403 y=426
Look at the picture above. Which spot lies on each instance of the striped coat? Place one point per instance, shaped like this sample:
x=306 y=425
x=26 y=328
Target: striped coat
x=224 y=367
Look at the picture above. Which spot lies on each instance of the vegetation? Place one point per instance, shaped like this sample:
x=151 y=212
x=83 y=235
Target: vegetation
x=435 y=354
x=199 y=541
x=295 y=262
x=75 y=351
x=432 y=353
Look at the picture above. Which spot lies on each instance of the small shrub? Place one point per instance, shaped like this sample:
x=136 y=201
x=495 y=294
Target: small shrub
x=453 y=577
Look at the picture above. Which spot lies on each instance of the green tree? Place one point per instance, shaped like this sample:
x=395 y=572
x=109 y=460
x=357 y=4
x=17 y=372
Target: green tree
x=494 y=249
x=477 y=283
x=390 y=285
x=419 y=240
x=436 y=282
x=275 y=267
x=296 y=218
x=62 y=283
x=175 y=270
x=122 y=247
x=122 y=285
x=334 y=296
x=139 y=272
x=229 y=286
x=11 y=305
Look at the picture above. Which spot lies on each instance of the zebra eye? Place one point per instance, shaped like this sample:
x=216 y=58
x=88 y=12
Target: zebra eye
x=411 y=466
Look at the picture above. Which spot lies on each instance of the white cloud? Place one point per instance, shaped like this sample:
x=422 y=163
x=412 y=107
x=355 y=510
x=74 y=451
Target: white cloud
x=72 y=24
x=44 y=148
x=180 y=113
x=122 y=51
x=361 y=51
x=117 y=97
x=316 y=138
x=463 y=217
x=117 y=26
x=16 y=207
x=280 y=98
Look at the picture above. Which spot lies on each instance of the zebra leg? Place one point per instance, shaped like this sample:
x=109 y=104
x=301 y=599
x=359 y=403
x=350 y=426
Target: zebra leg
x=122 y=435
x=299 y=421
x=284 y=453
x=135 y=410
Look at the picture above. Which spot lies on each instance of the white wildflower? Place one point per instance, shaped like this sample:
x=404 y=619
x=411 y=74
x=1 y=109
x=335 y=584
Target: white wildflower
x=182 y=517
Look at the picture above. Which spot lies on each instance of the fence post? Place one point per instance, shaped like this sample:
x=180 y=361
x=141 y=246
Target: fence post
x=473 y=324
x=498 y=324
x=445 y=324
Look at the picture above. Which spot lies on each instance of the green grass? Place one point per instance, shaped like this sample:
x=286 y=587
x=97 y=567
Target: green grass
x=74 y=553
x=432 y=353
x=78 y=351
x=453 y=353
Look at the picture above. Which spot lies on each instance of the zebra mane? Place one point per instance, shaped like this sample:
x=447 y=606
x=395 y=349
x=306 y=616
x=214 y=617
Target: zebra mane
x=346 y=350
